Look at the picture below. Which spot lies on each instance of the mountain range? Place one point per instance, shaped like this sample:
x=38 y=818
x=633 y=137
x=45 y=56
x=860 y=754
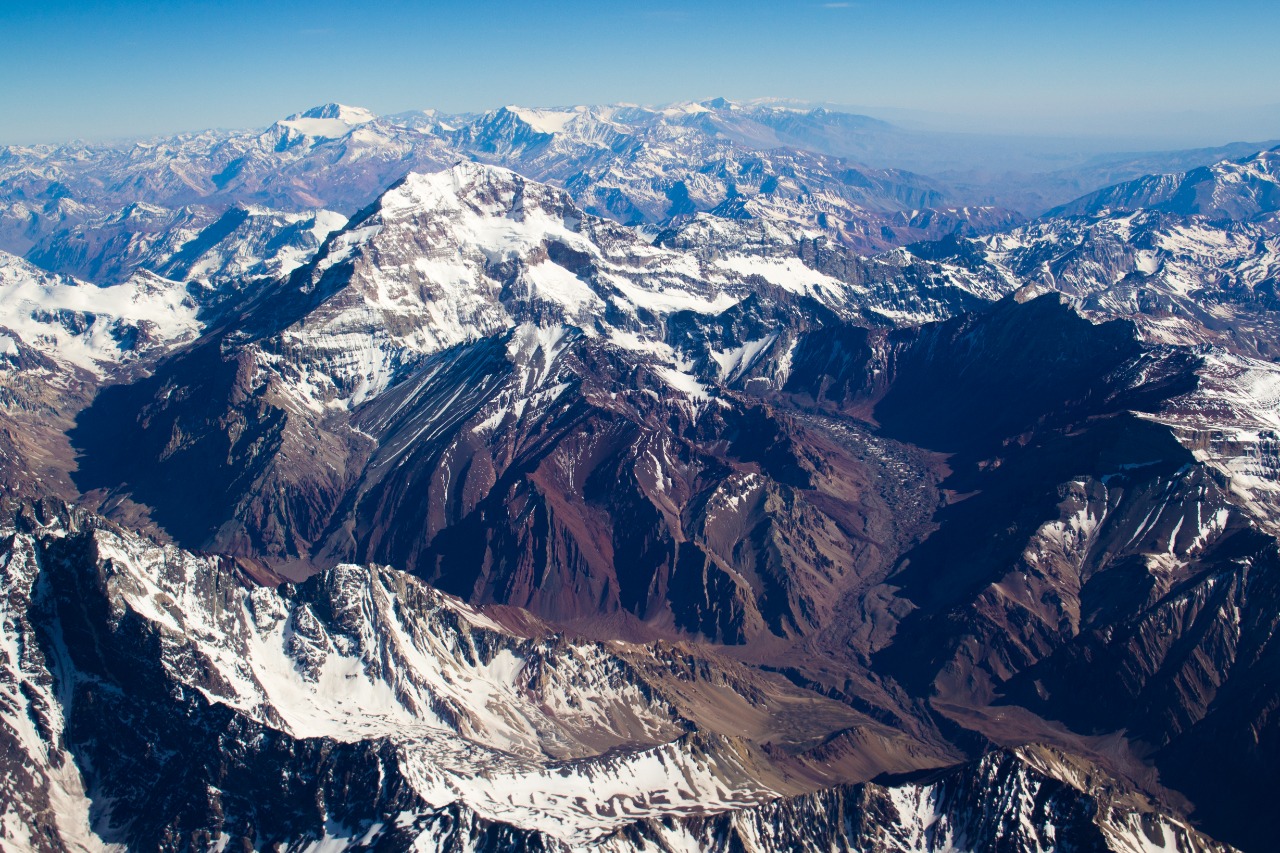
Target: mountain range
x=75 y=207
x=630 y=479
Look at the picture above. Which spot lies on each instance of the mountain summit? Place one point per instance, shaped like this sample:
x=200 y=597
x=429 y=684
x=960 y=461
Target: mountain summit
x=329 y=121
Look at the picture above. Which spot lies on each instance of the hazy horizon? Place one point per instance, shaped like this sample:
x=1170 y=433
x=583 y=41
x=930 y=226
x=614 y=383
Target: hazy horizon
x=1147 y=72
x=1158 y=131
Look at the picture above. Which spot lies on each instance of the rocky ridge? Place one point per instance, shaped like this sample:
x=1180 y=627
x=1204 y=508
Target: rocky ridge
x=362 y=708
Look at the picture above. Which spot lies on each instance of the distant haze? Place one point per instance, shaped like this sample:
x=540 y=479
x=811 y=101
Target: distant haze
x=1146 y=74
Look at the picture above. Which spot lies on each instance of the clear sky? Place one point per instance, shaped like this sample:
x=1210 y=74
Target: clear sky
x=1198 y=73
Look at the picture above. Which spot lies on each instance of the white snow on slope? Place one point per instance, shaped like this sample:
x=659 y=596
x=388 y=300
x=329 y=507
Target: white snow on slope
x=27 y=695
x=684 y=383
x=543 y=121
x=450 y=257
x=328 y=122
x=788 y=273
x=738 y=360
x=1232 y=420
x=271 y=243
x=475 y=714
x=89 y=326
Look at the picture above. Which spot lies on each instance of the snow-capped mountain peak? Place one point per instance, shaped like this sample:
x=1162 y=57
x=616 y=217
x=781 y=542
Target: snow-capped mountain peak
x=328 y=121
x=449 y=257
x=544 y=121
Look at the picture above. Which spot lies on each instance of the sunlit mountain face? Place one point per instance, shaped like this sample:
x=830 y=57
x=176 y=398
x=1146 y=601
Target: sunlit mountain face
x=719 y=476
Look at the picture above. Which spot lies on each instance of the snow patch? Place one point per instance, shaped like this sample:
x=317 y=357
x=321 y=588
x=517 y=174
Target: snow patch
x=543 y=121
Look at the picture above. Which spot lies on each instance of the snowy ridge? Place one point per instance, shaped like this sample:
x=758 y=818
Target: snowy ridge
x=543 y=121
x=396 y=657
x=455 y=256
x=330 y=121
x=448 y=258
x=550 y=735
x=1171 y=275
x=560 y=742
x=91 y=327
x=262 y=244
x=1246 y=189
x=631 y=163
x=1183 y=281
x=1024 y=799
x=1232 y=423
x=188 y=243
x=41 y=782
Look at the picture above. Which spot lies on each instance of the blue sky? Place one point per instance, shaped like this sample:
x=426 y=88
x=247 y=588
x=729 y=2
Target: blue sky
x=1191 y=73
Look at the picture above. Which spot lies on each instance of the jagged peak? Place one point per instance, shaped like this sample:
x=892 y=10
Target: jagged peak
x=467 y=179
